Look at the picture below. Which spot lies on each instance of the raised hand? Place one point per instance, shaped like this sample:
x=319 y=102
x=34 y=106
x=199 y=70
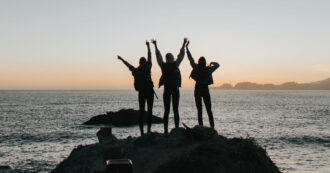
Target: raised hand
x=154 y=41
x=147 y=43
x=185 y=40
x=119 y=57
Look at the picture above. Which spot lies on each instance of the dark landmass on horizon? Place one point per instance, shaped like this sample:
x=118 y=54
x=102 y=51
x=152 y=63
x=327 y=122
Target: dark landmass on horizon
x=318 y=85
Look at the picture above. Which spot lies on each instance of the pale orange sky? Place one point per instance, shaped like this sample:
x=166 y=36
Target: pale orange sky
x=103 y=78
x=73 y=44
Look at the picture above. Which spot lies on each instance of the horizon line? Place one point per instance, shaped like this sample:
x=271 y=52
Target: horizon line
x=131 y=87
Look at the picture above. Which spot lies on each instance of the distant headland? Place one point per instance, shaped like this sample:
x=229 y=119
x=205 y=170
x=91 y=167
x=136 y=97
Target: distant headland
x=318 y=85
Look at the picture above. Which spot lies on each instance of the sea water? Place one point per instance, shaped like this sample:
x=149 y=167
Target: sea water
x=38 y=129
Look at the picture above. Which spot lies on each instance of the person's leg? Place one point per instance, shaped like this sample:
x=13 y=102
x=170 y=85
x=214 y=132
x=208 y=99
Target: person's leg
x=208 y=105
x=150 y=102
x=198 y=101
x=167 y=102
x=141 y=105
x=176 y=99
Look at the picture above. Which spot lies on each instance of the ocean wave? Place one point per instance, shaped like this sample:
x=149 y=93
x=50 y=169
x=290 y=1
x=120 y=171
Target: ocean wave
x=303 y=140
x=23 y=138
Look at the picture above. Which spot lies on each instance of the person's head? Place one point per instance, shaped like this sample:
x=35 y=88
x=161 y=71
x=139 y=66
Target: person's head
x=142 y=61
x=169 y=57
x=202 y=61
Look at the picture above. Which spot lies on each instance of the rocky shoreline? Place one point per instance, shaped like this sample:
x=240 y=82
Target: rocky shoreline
x=198 y=149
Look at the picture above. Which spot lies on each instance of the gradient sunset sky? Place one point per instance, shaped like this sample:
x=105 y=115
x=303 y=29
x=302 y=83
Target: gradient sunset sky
x=67 y=44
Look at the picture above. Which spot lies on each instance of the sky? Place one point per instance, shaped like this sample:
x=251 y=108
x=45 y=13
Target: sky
x=72 y=44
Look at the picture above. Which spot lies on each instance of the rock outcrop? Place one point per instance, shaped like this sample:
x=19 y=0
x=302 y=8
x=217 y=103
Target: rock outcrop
x=104 y=134
x=198 y=149
x=124 y=117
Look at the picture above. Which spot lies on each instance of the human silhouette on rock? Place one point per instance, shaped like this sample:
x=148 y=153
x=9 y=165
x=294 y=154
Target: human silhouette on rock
x=202 y=74
x=144 y=85
x=171 y=79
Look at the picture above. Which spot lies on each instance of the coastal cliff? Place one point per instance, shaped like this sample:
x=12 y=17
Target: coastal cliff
x=198 y=149
x=318 y=85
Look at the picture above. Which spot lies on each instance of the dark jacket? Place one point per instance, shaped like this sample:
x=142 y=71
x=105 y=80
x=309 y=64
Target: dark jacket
x=142 y=77
x=208 y=79
x=171 y=75
x=173 y=68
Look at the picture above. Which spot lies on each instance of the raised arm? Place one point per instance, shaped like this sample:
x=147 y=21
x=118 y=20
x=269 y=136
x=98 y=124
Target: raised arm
x=214 y=66
x=130 y=67
x=149 y=53
x=158 y=54
x=181 y=54
x=191 y=59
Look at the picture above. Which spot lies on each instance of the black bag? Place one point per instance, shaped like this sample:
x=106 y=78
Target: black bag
x=171 y=75
x=142 y=78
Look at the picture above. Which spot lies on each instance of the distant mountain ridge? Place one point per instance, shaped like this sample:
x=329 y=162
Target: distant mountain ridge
x=318 y=85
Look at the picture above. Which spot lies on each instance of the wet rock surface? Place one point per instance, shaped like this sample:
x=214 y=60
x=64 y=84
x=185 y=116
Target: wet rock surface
x=121 y=118
x=198 y=149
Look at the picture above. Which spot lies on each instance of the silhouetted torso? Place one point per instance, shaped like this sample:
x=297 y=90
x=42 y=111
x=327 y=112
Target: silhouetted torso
x=142 y=78
x=171 y=77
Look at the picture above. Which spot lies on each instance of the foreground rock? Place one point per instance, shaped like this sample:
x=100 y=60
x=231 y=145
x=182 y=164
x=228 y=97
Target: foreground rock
x=199 y=149
x=124 y=117
x=104 y=134
x=8 y=169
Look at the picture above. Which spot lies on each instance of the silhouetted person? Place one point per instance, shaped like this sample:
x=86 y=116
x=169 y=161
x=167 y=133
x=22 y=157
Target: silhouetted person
x=144 y=85
x=202 y=74
x=171 y=79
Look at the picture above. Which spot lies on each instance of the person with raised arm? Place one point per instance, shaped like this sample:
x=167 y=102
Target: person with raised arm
x=144 y=85
x=171 y=79
x=202 y=74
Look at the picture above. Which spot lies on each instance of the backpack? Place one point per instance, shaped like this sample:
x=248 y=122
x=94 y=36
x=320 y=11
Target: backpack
x=142 y=79
x=171 y=75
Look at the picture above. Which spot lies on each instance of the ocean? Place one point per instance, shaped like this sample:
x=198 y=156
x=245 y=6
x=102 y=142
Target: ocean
x=38 y=129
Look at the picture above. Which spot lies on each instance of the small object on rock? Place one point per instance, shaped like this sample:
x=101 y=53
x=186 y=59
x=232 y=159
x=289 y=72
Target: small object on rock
x=122 y=118
x=104 y=134
x=119 y=165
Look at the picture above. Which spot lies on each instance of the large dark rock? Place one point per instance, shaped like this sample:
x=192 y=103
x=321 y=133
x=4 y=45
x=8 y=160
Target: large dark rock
x=198 y=149
x=124 y=117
